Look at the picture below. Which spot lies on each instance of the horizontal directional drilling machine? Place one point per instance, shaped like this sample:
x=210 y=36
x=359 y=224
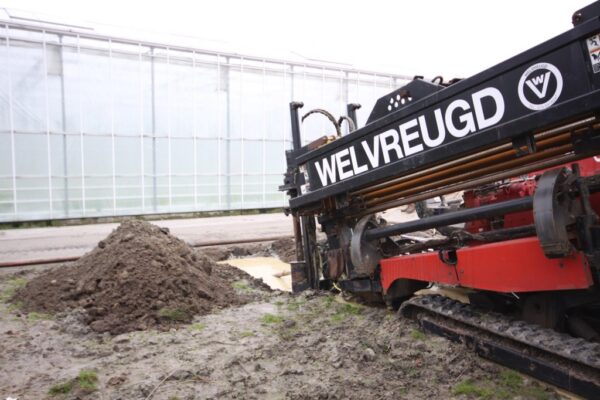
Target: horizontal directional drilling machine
x=520 y=142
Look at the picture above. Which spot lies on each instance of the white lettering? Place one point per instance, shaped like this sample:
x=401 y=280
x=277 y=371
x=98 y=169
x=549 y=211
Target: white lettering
x=326 y=171
x=372 y=155
x=355 y=167
x=495 y=94
x=393 y=145
x=466 y=118
x=539 y=79
x=341 y=164
x=440 y=128
x=533 y=82
x=460 y=118
x=408 y=137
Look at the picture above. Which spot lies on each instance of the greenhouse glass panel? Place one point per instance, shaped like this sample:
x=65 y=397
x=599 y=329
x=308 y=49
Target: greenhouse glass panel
x=94 y=126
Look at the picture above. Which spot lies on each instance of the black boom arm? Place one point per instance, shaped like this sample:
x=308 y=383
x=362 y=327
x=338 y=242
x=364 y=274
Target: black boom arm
x=424 y=125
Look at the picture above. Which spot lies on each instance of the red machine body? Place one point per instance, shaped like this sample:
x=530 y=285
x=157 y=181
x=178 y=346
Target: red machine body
x=512 y=266
x=517 y=265
x=508 y=191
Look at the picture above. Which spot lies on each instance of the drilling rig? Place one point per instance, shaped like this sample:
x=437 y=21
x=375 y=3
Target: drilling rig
x=520 y=141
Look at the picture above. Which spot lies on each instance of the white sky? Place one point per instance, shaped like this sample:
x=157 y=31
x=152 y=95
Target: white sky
x=428 y=37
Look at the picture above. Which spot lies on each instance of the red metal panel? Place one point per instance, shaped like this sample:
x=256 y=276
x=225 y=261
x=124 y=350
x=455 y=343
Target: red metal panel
x=511 y=266
x=422 y=267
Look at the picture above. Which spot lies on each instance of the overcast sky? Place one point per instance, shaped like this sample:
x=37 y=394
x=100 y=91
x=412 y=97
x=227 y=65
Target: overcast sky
x=453 y=38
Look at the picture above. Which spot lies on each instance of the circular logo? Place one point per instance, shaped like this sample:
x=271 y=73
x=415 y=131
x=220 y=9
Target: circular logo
x=540 y=86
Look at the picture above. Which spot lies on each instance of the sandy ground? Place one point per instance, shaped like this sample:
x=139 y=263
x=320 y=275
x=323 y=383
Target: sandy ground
x=280 y=346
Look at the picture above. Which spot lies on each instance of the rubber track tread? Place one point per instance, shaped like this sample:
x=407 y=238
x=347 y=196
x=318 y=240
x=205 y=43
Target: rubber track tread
x=547 y=340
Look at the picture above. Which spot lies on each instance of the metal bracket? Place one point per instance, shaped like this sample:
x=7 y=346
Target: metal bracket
x=524 y=142
x=364 y=254
x=552 y=212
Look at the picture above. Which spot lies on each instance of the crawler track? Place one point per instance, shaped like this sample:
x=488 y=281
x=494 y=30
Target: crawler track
x=559 y=359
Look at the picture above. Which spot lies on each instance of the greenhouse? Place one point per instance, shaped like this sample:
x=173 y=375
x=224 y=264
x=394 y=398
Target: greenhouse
x=94 y=125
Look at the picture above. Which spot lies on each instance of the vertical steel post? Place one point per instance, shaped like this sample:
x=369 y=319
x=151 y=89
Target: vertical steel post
x=12 y=125
x=305 y=273
x=194 y=130
x=322 y=105
x=112 y=127
x=81 y=136
x=351 y=112
x=285 y=99
x=64 y=127
x=346 y=80
x=142 y=166
x=304 y=91
x=342 y=100
x=295 y=119
x=296 y=145
x=153 y=97
x=169 y=176
x=242 y=132
x=48 y=145
x=298 y=222
x=228 y=137
x=357 y=84
x=219 y=133
x=264 y=136
x=309 y=242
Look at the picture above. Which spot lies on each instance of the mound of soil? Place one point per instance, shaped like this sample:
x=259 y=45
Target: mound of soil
x=222 y=253
x=285 y=249
x=139 y=277
x=233 y=274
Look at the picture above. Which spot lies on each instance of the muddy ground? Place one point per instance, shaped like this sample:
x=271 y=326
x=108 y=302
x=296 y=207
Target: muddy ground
x=278 y=346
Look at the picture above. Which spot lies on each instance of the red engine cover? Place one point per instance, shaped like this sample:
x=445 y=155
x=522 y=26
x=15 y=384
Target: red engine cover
x=516 y=189
x=508 y=191
x=512 y=266
x=517 y=265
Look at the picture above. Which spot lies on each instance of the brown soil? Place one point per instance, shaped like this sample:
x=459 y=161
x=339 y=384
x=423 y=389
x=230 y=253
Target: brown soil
x=285 y=249
x=222 y=253
x=232 y=274
x=137 y=278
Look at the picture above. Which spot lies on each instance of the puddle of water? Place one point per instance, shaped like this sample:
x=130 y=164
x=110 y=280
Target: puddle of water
x=273 y=271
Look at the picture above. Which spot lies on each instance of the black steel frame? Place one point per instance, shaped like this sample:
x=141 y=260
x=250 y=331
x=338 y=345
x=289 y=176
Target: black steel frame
x=580 y=98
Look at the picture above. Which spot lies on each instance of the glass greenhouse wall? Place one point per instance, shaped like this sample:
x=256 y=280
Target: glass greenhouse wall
x=94 y=126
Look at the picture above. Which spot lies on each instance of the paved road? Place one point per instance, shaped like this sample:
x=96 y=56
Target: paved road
x=27 y=245
x=74 y=241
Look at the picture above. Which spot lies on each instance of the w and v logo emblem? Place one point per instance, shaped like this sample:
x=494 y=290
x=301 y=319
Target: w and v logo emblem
x=540 y=86
x=539 y=81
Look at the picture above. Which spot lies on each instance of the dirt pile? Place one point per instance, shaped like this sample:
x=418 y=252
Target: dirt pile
x=137 y=278
x=285 y=249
